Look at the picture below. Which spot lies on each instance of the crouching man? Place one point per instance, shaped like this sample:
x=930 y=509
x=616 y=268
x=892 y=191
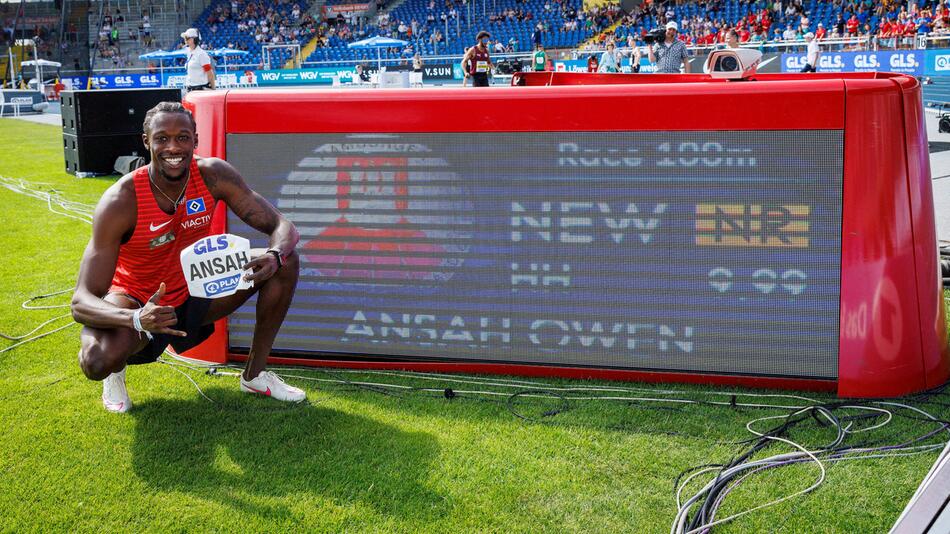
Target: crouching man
x=131 y=294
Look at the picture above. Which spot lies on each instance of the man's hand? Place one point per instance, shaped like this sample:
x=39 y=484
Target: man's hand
x=264 y=267
x=158 y=319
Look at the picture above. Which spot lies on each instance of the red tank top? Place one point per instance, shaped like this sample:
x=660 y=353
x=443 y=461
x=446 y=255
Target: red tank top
x=152 y=255
x=479 y=61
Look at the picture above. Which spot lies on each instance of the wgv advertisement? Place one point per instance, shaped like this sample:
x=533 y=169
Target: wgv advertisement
x=318 y=76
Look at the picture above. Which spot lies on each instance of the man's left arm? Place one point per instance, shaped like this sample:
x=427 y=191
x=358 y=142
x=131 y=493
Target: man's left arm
x=226 y=184
x=685 y=59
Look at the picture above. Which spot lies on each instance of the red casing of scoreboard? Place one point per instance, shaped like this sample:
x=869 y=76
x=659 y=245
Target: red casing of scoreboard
x=892 y=325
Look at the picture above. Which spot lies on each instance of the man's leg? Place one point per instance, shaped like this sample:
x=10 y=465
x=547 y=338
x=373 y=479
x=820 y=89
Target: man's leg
x=105 y=350
x=273 y=301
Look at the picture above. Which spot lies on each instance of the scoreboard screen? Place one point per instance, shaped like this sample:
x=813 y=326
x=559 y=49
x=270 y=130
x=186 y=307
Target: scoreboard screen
x=700 y=251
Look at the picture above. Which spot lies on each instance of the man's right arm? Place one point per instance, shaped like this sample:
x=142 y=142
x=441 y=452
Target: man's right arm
x=114 y=217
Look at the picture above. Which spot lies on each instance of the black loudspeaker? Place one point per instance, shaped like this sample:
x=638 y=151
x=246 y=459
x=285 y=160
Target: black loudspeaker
x=110 y=111
x=102 y=125
x=96 y=154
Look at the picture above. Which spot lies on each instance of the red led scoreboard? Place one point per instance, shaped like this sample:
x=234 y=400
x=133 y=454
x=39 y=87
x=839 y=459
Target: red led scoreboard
x=776 y=232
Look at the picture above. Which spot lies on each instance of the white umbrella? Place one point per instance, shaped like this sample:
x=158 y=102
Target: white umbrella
x=225 y=52
x=378 y=42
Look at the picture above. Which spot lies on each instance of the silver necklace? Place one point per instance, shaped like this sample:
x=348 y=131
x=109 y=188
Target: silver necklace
x=181 y=196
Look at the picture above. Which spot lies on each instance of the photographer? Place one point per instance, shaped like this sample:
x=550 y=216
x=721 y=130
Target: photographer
x=668 y=55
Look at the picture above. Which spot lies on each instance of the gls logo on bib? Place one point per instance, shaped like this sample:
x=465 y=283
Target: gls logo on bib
x=214 y=266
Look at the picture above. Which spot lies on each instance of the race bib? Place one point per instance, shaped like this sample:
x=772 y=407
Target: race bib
x=481 y=66
x=213 y=266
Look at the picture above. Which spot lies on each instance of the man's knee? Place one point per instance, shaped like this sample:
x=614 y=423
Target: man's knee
x=98 y=363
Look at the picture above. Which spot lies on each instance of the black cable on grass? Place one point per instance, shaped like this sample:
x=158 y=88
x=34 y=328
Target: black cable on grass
x=711 y=497
x=34 y=389
x=563 y=407
x=732 y=474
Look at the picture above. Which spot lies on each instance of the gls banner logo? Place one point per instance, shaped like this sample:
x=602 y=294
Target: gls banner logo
x=903 y=62
x=866 y=61
x=827 y=62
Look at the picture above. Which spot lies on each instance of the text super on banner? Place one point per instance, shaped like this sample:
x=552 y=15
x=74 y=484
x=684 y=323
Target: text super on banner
x=701 y=251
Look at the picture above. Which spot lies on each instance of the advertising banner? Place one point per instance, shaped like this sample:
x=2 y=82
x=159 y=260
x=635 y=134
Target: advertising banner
x=318 y=76
x=113 y=81
x=580 y=65
x=435 y=71
x=332 y=11
x=902 y=61
x=223 y=79
x=937 y=62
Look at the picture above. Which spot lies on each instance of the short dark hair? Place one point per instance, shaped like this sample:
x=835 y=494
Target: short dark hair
x=166 y=107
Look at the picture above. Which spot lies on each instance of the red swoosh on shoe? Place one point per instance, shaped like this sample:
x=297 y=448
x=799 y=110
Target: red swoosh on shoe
x=266 y=393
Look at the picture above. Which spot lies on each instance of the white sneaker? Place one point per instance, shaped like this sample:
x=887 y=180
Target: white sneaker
x=114 y=395
x=270 y=385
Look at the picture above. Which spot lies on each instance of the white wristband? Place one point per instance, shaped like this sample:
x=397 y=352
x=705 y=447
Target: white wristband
x=137 y=323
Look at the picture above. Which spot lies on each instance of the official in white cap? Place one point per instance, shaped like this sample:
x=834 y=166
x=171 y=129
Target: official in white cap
x=200 y=71
x=813 y=53
x=671 y=53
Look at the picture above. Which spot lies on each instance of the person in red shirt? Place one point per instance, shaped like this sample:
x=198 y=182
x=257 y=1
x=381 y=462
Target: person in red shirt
x=820 y=33
x=852 y=25
x=910 y=31
x=744 y=35
x=131 y=295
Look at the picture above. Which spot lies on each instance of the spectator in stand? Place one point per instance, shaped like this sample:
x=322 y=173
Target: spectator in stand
x=790 y=34
x=820 y=33
x=743 y=34
x=909 y=32
x=538 y=35
x=732 y=38
x=839 y=26
x=146 y=28
x=851 y=27
x=885 y=34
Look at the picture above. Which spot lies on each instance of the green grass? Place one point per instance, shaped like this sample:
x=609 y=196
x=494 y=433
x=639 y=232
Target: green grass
x=354 y=460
